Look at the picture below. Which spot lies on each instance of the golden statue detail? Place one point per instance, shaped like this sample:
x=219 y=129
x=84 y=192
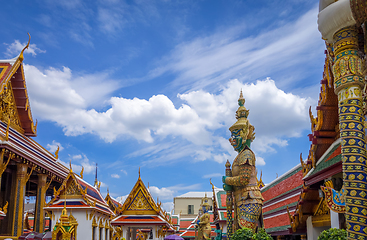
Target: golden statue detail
x=204 y=220
x=241 y=183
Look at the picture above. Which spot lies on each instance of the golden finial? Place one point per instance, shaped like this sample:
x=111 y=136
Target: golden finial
x=57 y=152
x=21 y=57
x=211 y=184
x=277 y=175
x=139 y=172
x=81 y=172
x=71 y=170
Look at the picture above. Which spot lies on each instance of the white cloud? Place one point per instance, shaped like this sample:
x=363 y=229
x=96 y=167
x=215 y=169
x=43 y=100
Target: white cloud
x=104 y=185
x=16 y=47
x=213 y=175
x=208 y=60
x=115 y=176
x=196 y=120
x=168 y=206
x=170 y=192
x=78 y=162
x=260 y=161
x=123 y=171
x=161 y=193
x=53 y=146
x=122 y=199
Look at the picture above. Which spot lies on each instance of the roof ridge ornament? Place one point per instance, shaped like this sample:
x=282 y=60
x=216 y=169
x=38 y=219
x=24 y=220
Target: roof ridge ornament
x=21 y=57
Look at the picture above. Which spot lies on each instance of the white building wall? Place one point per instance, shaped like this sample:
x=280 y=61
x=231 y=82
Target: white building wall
x=181 y=205
x=313 y=232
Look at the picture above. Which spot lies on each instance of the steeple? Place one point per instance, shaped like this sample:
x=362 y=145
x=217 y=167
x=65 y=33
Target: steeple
x=96 y=180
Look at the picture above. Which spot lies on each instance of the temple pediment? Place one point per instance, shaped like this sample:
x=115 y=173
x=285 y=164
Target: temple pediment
x=139 y=201
x=14 y=100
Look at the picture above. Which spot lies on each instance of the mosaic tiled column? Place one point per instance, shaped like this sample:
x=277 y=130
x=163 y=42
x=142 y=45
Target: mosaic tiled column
x=229 y=204
x=348 y=85
x=17 y=228
x=39 y=215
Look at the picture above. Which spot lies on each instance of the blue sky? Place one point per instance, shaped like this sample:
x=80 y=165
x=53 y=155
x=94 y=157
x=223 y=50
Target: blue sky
x=154 y=84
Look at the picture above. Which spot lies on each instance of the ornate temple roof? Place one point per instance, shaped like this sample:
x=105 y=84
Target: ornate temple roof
x=324 y=158
x=329 y=164
x=75 y=193
x=16 y=122
x=113 y=204
x=281 y=196
x=12 y=83
x=140 y=208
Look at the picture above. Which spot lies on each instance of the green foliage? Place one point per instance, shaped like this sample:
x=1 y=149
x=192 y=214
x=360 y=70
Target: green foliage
x=333 y=234
x=243 y=234
x=247 y=234
x=262 y=235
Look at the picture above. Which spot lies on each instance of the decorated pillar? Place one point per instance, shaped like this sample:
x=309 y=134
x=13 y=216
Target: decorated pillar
x=39 y=214
x=229 y=204
x=21 y=180
x=348 y=85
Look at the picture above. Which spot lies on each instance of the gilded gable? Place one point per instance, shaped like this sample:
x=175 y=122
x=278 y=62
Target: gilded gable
x=8 y=108
x=140 y=202
x=72 y=189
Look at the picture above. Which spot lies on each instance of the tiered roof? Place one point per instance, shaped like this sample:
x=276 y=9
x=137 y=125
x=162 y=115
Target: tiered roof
x=83 y=196
x=324 y=158
x=16 y=122
x=281 y=195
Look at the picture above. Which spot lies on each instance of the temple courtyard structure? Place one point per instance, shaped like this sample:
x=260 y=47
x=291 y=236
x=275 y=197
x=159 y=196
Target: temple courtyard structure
x=327 y=189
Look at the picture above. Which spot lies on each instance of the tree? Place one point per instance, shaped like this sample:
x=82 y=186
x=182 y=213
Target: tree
x=333 y=234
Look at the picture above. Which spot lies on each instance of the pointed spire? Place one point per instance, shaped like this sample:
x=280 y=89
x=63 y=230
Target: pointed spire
x=241 y=100
x=96 y=179
x=71 y=170
x=64 y=212
x=139 y=173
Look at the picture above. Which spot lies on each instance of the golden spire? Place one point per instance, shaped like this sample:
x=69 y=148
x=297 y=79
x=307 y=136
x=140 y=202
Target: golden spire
x=139 y=173
x=96 y=180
